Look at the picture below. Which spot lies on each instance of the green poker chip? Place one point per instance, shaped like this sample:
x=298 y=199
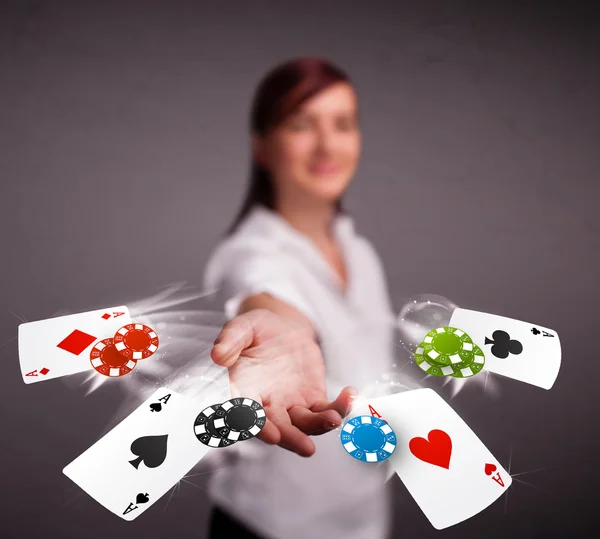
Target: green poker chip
x=448 y=351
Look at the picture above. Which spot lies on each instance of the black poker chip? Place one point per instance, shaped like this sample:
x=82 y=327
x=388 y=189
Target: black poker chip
x=239 y=419
x=205 y=430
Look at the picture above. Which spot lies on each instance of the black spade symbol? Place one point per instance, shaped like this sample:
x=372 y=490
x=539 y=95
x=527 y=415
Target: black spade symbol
x=156 y=407
x=151 y=450
x=142 y=498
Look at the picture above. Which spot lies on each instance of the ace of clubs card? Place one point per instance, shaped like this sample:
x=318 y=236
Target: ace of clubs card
x=518 y=350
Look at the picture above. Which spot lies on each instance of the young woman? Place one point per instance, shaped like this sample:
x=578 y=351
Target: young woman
x=309 y=319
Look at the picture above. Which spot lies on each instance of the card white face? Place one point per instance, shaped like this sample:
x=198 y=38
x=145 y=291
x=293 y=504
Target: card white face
x=143 y=457
x=512 y=348
x=446 y=468
x=60 y=346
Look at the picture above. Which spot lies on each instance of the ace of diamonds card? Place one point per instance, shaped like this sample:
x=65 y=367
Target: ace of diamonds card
x=60 y=346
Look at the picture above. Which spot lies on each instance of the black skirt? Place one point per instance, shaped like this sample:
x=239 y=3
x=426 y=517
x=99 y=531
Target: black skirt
x=224 y=526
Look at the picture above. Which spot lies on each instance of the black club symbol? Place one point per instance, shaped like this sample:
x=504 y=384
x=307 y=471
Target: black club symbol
x=503 y=345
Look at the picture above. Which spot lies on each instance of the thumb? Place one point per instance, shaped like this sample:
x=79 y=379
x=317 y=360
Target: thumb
x=236 y=335
x=342 y=404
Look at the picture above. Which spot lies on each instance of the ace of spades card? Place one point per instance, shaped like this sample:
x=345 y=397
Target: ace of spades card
x=518 y=350
x=446 y=468
x=144 y=456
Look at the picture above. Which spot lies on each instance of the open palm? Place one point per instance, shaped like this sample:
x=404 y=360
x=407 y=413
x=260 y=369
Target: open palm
x=277 y=362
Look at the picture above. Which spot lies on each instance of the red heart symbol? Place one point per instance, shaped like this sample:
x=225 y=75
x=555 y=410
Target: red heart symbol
x=490 y=469
x=435 y=450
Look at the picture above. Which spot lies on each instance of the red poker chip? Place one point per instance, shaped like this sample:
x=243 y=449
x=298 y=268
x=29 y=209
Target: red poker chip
x=136 y=341
x=107 y=361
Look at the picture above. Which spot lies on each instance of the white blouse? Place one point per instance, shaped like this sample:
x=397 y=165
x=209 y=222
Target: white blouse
x=274 y=491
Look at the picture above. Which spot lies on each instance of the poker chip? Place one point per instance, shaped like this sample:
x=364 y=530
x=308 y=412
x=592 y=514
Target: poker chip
x=136 y=341
x=368 y=439
x=239 y=419
x=205 y=430
x=449 y=351
x=107 y=361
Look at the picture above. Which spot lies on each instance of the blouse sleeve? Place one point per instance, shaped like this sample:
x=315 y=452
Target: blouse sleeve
x=243 y=271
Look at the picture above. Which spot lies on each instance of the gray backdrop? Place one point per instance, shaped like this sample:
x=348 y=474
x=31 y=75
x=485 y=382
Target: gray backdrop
x=124 y=153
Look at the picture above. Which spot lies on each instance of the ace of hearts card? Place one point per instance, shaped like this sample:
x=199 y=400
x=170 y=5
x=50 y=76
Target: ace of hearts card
x=444 y=465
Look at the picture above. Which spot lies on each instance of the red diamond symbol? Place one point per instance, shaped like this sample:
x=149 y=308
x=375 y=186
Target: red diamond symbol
x=76 y=342
x=106 y=316
x=44 y=371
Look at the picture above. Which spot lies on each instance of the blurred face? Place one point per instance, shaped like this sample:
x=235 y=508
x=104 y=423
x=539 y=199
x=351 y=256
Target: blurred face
x=314 y=152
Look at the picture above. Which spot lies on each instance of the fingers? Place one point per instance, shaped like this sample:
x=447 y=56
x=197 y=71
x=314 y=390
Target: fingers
x=294 y=425
x=342 y=404
x=314 y=423
x=292 y=438
x=270 y=433
x=236 y=335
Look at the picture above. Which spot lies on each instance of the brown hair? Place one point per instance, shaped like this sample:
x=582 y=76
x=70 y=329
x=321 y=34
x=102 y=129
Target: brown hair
x=278 y=95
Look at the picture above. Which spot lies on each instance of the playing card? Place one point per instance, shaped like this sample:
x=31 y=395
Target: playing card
x=446 y=468
x=60 y=346
x=512 y=348
x=144 y=456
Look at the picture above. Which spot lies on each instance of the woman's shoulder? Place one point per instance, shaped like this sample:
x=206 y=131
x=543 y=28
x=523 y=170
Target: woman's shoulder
x=247 y=248
x=234 y=249
x=251 y=236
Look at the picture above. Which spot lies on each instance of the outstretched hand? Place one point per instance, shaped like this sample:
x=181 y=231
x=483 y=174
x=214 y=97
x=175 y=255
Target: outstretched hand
x=276 y=361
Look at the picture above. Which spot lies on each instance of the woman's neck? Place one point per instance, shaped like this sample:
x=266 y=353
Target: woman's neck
x=312 y=218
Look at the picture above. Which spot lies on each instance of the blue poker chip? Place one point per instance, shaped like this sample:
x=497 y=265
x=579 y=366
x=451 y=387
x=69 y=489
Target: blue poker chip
x=369 y=439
